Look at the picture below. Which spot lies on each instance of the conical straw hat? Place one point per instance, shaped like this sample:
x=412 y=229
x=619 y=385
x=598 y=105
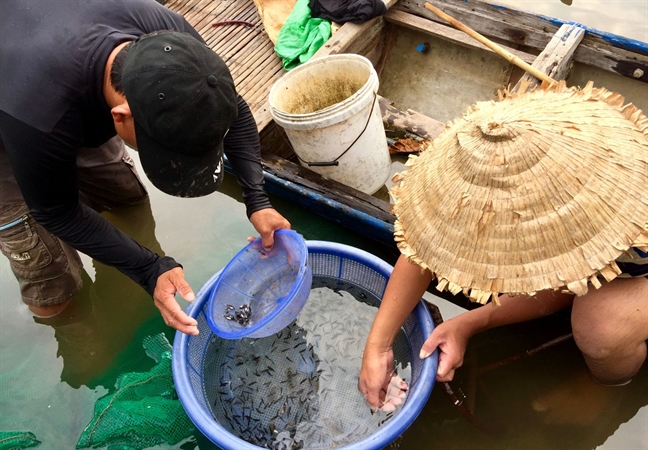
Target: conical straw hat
x=541 y=190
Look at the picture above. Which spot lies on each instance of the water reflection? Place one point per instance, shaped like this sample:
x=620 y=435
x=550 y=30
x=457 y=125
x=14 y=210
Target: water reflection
x=102 y=320
x=545 y=401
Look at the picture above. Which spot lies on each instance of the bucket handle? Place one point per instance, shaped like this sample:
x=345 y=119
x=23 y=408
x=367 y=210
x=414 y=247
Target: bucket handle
x=335 y=162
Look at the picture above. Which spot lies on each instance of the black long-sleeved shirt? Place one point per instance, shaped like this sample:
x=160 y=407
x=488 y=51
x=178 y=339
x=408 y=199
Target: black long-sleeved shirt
x=52 y=61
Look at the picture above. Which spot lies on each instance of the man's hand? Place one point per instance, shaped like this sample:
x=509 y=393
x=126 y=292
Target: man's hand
x=167 y=285
x=381 y=387
x=266 y=222
x=451 y=339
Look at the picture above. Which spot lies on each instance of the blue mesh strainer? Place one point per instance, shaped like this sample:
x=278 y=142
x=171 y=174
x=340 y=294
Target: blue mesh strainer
x=259 y=293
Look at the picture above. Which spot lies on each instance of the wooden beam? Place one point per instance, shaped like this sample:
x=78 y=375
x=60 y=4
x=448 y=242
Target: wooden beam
x=556 y=59
x=444 y=32
x=332 y=189
x=622 y=62
x=514 y=27
x=410 y=121
x=597 y=49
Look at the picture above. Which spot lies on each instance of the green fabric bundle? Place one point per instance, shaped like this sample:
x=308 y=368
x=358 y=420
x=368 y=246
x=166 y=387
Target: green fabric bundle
x=301 y=36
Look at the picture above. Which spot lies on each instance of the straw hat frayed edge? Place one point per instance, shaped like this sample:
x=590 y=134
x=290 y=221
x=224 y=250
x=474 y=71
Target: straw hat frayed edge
x=578 y=287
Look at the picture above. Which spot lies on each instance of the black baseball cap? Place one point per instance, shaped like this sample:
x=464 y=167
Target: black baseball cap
x=183 y=101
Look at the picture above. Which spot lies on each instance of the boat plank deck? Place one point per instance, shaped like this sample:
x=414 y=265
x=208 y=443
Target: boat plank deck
x=246 y=50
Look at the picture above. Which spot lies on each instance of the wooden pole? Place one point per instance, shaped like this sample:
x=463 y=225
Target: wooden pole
x=490 y=44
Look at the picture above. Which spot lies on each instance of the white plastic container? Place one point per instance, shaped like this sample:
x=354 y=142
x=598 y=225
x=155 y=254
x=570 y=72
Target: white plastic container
x=329 y=110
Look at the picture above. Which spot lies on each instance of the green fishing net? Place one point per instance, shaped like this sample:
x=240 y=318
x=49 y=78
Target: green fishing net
x=301 y=36
x=143 y=411
x=14 y=440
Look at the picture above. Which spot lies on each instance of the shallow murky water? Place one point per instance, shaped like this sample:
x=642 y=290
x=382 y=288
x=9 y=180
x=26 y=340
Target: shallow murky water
x=627 y=18
x=52 y=372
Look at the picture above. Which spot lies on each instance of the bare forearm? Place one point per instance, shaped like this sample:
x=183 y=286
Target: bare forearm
x=513 y=310
x=404 y=290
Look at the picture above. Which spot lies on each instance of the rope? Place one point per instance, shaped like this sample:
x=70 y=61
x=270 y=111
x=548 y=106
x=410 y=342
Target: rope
x=335 y=161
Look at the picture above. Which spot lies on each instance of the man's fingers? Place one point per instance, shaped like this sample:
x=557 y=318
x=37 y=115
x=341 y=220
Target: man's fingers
x=398 y=382
x=373 y=398
x=183 y=288
x=447 y=377
x=168 y=284
x=266 y=221
x=179 y=316
x=449 y=361
x=268 y=241
x=388 y=407
x=429 y=346
x=178 y=319
x=171 y=282
x=443 y=368
x=371 y=395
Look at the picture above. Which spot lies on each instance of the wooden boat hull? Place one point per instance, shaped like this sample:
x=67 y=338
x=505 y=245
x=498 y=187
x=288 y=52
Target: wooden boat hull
x=419 y=92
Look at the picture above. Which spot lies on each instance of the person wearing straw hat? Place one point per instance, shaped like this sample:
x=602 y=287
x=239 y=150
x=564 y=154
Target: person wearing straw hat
x=537 y=202
x=79 y=79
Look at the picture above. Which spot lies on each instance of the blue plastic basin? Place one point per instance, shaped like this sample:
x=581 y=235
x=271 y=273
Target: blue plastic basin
x=326 y=259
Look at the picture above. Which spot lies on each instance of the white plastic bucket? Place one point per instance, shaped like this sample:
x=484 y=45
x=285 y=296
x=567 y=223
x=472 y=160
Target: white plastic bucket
x=329 y=110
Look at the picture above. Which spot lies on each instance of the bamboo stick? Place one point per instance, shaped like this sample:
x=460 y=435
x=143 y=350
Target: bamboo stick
x=490 y=44
x=531 y=352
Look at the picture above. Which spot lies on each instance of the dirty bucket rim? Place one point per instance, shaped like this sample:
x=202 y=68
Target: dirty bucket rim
x=255 y=329
x=336 y=108
x=220 y=436
x=353 y=127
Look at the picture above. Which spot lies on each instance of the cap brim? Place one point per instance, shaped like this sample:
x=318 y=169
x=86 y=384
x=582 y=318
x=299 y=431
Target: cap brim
x=180 y=174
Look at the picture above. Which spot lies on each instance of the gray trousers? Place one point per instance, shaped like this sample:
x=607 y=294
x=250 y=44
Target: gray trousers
x=47 y=269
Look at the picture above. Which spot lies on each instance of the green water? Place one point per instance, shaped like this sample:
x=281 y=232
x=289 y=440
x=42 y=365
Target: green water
x=53 y=372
